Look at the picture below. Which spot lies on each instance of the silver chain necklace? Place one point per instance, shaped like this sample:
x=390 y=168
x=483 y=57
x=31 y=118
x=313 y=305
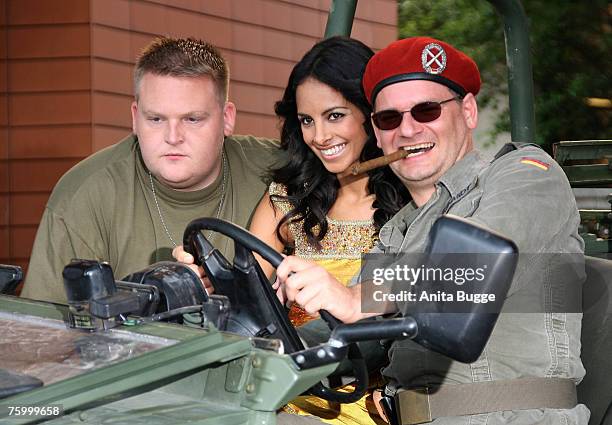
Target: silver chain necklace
x=161 y=217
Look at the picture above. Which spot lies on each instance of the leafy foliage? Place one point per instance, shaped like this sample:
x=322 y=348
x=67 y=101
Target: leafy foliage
x=570 y=42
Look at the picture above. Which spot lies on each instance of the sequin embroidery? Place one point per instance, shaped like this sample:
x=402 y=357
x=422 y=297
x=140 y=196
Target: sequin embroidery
x=345 y=239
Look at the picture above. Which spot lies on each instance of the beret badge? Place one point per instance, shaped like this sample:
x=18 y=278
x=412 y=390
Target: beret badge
x=433 y=58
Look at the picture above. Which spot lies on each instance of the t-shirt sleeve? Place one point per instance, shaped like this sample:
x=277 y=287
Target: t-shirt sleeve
x=260 y=154
x=74 y=225
x=56 y=244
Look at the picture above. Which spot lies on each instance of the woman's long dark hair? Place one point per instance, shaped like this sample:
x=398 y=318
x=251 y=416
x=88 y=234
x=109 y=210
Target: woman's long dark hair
x=338 y=62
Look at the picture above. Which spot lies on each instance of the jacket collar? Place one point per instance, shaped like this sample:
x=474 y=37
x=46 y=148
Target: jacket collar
x=460 y=177
x=456 y=181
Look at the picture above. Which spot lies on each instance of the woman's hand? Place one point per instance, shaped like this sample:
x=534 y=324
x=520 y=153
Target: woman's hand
x=186 y=258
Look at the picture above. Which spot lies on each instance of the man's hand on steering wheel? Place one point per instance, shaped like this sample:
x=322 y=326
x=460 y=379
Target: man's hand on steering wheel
x=186 y=258
x=313 y=288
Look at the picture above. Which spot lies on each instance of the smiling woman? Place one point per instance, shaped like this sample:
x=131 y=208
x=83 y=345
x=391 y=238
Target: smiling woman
x=325 y=130
x=331 y=126
x=316 y=206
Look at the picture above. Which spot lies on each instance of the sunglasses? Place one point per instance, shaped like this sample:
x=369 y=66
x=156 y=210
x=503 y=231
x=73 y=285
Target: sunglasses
x=421 y=112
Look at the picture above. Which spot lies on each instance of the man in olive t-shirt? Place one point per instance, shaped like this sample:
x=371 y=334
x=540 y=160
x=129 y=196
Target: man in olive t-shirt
x=129 y=204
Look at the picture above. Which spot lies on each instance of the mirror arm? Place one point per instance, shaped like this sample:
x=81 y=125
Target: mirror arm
x=369 y=330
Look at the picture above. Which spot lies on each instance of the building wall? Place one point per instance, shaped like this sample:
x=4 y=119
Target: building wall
x=4 y=172
x=66 y=86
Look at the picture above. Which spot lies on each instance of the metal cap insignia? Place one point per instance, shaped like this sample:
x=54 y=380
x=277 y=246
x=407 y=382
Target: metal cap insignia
x=433 y=58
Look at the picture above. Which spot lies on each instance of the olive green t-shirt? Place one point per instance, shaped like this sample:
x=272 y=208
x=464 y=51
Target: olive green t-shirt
x=104 y=209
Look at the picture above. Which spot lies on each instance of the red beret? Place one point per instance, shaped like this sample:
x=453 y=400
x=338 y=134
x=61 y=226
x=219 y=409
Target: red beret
x=421 y=58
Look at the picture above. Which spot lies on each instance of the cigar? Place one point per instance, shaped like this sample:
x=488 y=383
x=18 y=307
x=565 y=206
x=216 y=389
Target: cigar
x=362 y=167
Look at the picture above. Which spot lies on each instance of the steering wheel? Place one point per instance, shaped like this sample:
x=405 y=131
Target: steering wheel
x=256 y=310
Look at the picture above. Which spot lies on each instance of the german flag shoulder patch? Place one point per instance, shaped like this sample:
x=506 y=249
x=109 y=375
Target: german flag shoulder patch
x=535 y=162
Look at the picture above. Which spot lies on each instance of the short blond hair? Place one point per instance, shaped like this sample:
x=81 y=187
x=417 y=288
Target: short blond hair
x=183 y=57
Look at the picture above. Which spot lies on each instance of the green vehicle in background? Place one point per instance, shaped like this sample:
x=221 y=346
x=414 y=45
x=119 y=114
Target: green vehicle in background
x=587 y=164
x=91 y=364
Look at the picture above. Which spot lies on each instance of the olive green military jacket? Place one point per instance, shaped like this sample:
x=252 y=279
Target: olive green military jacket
x=104 y=209
x=525 y=196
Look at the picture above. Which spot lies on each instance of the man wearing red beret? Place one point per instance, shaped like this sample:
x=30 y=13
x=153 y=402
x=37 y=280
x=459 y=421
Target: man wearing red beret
x=423 y=95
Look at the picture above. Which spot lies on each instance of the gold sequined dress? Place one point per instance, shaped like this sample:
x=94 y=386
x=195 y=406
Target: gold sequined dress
x=340 y=255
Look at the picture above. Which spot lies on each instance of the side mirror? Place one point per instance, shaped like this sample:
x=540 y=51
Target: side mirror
x=463 y=335
x=458 y=333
